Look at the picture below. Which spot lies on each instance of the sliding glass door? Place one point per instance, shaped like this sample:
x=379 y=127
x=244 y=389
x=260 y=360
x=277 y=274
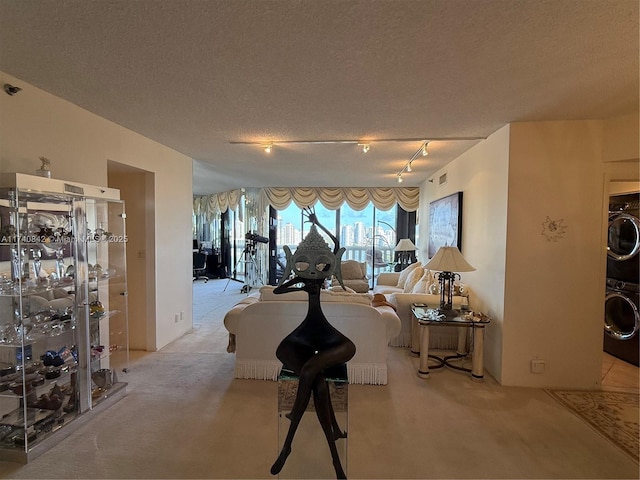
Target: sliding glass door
x=368 y=235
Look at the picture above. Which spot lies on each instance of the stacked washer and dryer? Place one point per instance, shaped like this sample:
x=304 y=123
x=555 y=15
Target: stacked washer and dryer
x=621 y=317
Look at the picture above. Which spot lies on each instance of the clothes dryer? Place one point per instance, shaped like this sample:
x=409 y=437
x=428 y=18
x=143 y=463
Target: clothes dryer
x=623 y=242
x=622 y=321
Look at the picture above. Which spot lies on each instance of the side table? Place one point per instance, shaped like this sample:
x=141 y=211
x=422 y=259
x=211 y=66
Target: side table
x=428 y=317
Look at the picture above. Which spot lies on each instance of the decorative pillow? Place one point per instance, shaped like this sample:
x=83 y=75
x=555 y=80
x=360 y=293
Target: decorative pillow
x=425 y=282
x=412 y=279
x=352 y=270
x=402 y=278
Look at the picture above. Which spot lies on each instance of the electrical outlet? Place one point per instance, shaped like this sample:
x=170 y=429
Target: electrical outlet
x=537 y=366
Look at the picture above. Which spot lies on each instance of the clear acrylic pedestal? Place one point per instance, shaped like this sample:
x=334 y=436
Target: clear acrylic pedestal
x=310 y=455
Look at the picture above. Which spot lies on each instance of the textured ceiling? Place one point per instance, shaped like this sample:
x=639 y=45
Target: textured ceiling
x=196 y=75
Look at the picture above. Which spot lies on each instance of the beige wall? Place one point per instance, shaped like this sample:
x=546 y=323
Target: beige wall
x=549 y=303
x=481 y=174
x=554 y=288
x=79 y=144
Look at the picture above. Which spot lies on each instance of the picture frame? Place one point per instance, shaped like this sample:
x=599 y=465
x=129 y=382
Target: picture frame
x=445 y=223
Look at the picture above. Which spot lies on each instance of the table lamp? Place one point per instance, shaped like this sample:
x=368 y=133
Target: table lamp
x=404 y=246
x=447 y=261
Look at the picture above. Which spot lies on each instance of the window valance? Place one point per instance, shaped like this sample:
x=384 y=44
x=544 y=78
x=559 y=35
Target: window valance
x=356 y=197
x=218 y=202
x=383 y=198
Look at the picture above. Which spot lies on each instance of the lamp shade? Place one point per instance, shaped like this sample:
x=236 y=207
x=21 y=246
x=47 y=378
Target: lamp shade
x=449 y=259
x=405 y=245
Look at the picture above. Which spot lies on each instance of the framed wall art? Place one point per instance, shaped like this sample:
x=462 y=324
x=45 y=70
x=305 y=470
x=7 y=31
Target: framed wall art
x=445 y=223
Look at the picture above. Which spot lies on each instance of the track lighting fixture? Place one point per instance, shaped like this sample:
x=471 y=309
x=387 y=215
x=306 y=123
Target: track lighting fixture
x=407 y=167
x=364 y=146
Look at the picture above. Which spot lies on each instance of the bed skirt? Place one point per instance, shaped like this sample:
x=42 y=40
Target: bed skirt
x=358 y=373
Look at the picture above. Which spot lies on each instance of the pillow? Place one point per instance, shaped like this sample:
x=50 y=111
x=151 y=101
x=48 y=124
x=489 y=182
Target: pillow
x=402 y=278
x=352 y=270
x=412 y=279
x=424 y=283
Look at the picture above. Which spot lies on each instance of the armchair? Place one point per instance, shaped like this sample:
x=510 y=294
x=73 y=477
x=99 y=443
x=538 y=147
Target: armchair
x=354 y=276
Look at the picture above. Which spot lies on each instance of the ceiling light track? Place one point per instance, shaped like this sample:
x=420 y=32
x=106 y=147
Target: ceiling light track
x=360 y=142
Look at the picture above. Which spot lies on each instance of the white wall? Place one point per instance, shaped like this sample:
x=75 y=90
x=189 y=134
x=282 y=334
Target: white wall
x=481 y=174
x=34 y=123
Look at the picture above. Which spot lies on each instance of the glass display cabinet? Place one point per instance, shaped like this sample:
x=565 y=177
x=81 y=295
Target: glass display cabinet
x=63 y=309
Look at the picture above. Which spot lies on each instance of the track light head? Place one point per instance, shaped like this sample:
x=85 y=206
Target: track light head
x=425 y=152
x=365 y=147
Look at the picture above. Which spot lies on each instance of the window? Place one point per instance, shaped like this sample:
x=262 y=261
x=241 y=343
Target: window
x=367 y=235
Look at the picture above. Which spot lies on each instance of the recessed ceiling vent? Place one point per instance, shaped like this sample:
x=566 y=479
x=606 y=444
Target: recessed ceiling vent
x=443 y=179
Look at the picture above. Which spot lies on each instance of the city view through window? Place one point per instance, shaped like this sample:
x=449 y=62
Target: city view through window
x=368 y=235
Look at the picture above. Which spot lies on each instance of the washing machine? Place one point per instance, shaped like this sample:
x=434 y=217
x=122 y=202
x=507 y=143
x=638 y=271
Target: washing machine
x=622 y=320
x=623 y=242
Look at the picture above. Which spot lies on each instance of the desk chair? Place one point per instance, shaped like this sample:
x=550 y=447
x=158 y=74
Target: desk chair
x=200 y=266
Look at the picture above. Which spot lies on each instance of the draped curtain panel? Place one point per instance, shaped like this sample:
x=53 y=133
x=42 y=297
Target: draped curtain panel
x=357 y=198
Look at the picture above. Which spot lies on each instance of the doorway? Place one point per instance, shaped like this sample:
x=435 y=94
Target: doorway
x=137 y=190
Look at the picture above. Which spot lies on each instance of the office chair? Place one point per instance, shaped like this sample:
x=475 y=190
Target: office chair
x=200 y=266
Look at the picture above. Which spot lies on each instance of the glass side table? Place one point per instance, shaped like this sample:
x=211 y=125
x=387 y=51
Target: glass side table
x=428 y=317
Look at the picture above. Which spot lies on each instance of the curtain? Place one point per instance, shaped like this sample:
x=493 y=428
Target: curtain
x=383 y=198
x=212 y=205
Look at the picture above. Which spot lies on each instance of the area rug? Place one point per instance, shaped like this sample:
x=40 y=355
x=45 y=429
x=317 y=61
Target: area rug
x=612 y=414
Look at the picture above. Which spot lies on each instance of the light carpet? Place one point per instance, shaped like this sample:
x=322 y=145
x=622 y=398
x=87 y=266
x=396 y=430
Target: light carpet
x=613 y=414
x=186 y=417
